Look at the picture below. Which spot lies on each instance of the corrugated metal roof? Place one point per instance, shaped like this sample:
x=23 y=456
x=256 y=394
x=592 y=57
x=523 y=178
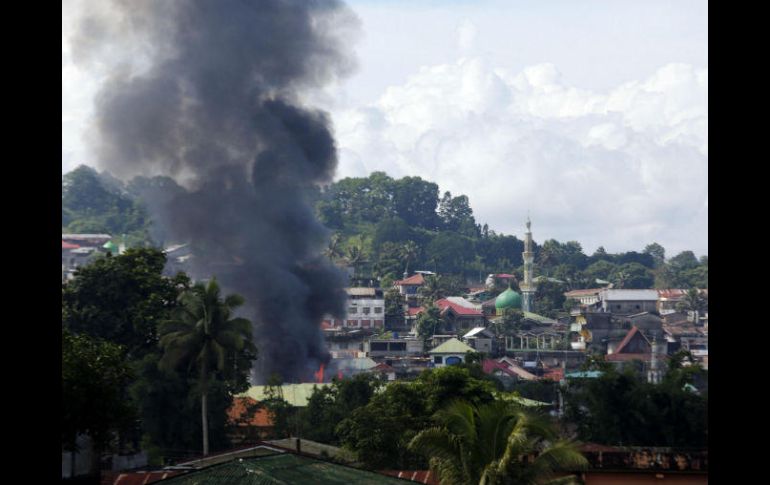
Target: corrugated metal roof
x=283 y=468
x=361 y=291
x=629 y=295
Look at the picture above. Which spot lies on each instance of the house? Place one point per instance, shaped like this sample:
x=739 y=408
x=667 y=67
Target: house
x=636 y=346
x=450 y=352
x=408 y=287
x=626 y=302
x=457 y=313
x=481 y=339
x=392 y=347
x=585 y=297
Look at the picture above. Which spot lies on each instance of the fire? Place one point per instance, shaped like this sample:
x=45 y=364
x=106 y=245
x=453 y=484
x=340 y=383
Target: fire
x=319 y=375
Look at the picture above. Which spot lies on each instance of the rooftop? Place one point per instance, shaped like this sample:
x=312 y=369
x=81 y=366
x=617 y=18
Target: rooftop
x=417 y=279
x=629 y=295
x=295 y=394
x=452 y=346
x=281 y=468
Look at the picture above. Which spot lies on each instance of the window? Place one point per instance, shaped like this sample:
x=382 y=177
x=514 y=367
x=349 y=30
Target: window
x=367 y=310
x=378 y=323
x=352 y=309
x=438 y=359
x=379 y=346
x=366 y=323
x=398 y=346
x=377 y=309
x=352 y=323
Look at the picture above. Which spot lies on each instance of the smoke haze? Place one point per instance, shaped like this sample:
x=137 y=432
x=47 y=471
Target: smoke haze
x=208 y=93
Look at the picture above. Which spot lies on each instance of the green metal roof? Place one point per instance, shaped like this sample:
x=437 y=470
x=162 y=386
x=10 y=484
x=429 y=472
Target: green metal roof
x=295 y=394
x=452 y=346
x=538 y=318
x=281 y=468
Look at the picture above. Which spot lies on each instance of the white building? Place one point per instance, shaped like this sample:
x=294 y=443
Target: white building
x=365 y=308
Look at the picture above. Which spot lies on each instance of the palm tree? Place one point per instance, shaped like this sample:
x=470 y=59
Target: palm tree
x=203 y=333
x=333 y=251
x=409 y=252
x=433 y=289
x=495 y=443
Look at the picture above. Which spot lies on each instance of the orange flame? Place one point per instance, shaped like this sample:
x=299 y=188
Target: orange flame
x=319 y=375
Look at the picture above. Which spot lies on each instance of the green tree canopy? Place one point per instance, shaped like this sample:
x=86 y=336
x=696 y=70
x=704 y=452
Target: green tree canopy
x=487 y=444
x=122 y=299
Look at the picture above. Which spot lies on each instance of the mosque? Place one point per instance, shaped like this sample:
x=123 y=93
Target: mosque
x=510 y=298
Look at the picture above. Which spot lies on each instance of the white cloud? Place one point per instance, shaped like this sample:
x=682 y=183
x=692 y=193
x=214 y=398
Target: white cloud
x=620 y=168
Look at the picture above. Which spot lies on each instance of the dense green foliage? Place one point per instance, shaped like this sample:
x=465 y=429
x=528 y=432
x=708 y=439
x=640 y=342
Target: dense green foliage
x=398 y=224
x=380 y=431
x=94 y=203
x=622 y=408
x=495 y=443
x=94 y=377
x=122 y=301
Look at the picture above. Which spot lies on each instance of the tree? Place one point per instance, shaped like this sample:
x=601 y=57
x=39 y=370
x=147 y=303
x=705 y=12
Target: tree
x=657 y=252
x=693 y=301
x=510 y=322
x=429 y=322
x=493 y=444
x=632 y=276
x=98 y=204
x=328 y=406
x=94 y=377
x=394 y=308
x=122 y=299
x=409 y=253
x=333 y=250
x=203 y=334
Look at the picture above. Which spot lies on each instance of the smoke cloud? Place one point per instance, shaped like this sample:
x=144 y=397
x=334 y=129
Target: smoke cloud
x=209 y=93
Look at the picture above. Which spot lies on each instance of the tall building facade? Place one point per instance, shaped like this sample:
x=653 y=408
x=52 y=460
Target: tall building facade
x=528 y=287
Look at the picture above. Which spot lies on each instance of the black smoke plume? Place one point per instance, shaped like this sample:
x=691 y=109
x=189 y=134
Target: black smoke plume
x=209 y=93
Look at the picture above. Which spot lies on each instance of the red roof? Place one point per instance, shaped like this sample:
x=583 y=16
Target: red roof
x=383 y=367
x=66 y=245
x=554 y=374
x=412 y=311
x=238 y=410
x=443 y=304
x=490 y=366
x=416 y=279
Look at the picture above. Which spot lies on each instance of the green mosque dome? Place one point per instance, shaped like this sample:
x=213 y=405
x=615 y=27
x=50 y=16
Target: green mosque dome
x=110 y=246
x=508 y=299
